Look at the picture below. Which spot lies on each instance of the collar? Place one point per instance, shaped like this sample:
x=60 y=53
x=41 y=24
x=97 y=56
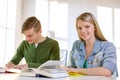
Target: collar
x=97 y=46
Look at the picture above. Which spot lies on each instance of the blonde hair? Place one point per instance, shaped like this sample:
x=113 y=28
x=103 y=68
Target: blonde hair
x=89 y=17
x=31 y=22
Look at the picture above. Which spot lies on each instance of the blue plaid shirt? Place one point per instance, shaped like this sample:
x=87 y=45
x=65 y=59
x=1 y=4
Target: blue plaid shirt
x=103 y=55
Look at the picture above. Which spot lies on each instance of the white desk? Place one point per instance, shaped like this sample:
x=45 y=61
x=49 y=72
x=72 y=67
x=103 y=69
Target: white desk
x=71 y=78
x=17 y=77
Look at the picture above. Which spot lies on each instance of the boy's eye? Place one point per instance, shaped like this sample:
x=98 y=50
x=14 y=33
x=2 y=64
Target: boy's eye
x=30 y=36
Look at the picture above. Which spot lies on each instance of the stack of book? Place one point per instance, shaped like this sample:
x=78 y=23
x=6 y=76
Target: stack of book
x=49 y=69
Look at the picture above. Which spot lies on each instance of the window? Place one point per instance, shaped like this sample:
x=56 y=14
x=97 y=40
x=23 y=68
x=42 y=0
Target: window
x=7 y=29
x=116 y=27
x=104 y=16
x=54 y=20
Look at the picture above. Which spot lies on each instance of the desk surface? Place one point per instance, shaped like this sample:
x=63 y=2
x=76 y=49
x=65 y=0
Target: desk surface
x=17 y=77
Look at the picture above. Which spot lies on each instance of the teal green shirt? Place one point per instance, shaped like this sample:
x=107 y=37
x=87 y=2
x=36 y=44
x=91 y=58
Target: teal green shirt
x=85 y=64
x=35 y=56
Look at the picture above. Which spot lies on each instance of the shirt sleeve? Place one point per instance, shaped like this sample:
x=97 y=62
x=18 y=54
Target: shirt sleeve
x=109 y=60
x=55 y=51
x=19 y=54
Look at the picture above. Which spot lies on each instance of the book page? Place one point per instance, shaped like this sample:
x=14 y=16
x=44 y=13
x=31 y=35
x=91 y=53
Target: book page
x=2 y=69
x=55 y=70
x=56 y=74
x=28 y=72
x=50 y=64
x=11 y=70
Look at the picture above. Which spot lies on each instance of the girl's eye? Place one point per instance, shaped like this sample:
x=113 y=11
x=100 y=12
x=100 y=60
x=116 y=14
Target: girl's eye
x=87 y=26
x=79 y=28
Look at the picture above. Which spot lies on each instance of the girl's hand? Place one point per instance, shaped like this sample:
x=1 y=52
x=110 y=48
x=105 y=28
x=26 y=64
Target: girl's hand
x=75 y=70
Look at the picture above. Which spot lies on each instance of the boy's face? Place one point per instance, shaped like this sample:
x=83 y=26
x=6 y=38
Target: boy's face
x=31 y=35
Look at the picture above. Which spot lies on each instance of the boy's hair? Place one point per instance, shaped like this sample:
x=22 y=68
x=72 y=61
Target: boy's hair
x=31 y=22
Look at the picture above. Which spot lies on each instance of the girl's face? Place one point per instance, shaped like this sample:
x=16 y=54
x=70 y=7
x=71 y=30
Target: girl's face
x=86 y=30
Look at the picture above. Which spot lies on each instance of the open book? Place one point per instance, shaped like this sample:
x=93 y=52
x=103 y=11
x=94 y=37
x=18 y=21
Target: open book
x=12 y=70
x=51 y=69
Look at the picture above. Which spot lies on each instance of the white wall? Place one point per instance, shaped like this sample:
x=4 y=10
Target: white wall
x=28 y=8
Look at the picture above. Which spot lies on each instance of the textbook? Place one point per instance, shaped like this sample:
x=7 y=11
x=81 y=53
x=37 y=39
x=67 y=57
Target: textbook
x=50 y=69
x=11 y=70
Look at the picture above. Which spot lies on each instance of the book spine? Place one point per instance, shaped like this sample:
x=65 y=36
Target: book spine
x=39 y=75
